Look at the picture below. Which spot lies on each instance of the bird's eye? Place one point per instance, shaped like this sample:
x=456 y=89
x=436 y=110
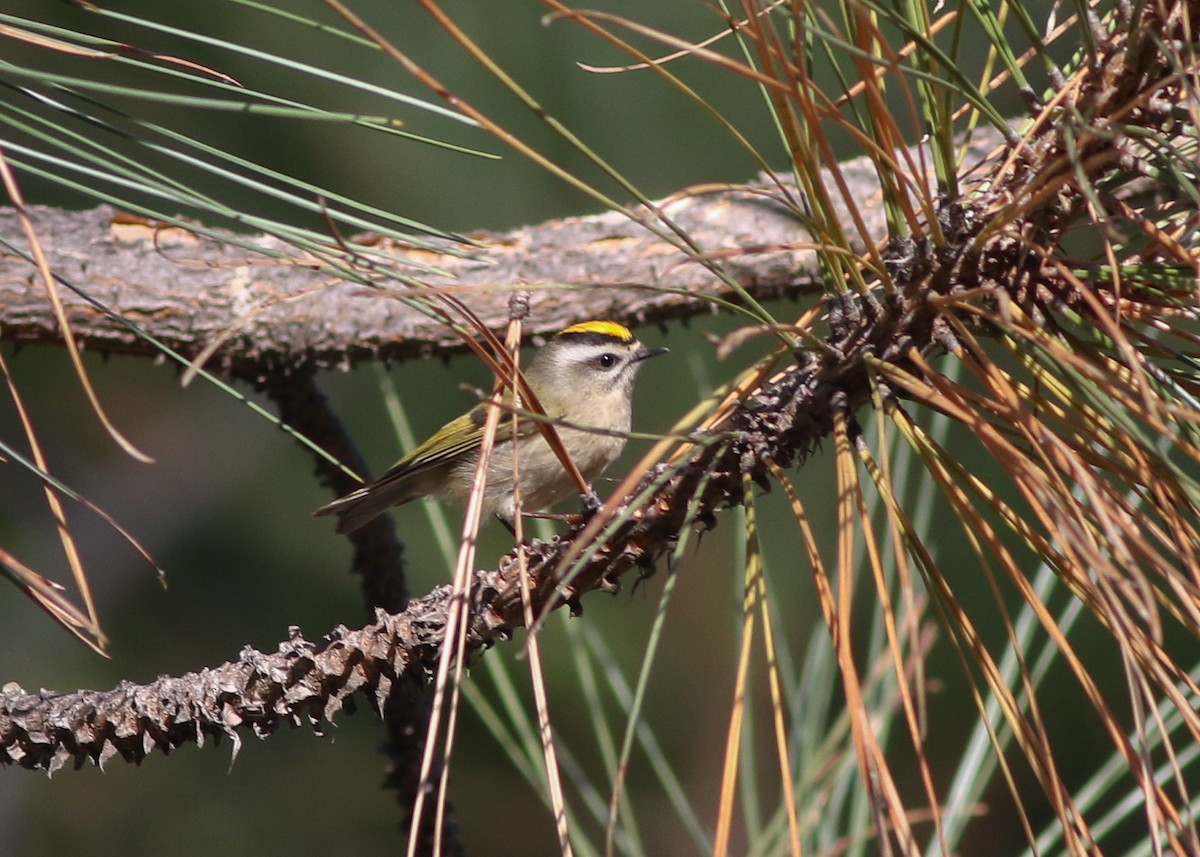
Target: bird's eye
x=607 y=361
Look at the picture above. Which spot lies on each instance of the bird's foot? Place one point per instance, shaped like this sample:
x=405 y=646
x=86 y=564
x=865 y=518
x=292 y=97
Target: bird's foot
x=591 y=504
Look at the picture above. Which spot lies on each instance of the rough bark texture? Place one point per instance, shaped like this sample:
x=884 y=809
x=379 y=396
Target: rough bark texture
x=274 y=312
x=302 y=684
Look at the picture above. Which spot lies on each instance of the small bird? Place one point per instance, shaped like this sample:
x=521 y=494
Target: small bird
x=584 y=376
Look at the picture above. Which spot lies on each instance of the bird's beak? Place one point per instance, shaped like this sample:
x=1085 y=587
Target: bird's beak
x=645 y=353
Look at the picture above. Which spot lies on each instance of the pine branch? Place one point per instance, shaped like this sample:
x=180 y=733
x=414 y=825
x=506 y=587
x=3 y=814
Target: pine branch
x=302 y=684
x=279 y=314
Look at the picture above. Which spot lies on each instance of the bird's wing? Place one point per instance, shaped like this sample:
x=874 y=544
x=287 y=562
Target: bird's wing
x=458 y=437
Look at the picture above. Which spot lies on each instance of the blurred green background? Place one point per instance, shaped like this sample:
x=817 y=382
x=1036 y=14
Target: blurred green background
x=226 y=507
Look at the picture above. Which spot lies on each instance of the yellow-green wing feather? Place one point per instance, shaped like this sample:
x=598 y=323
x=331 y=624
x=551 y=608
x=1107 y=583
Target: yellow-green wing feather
x=456 y=438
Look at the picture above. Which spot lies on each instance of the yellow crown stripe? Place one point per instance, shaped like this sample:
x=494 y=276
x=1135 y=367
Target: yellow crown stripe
x=601 y=328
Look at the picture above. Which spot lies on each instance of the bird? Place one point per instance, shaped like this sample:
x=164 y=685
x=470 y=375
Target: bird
x=583 y=376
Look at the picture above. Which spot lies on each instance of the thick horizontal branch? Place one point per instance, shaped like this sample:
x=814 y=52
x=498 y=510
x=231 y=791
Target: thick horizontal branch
x=187 y=291
x=271 y=309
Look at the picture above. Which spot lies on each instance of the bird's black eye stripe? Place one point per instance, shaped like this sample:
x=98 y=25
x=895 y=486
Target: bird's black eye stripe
x=607 y=360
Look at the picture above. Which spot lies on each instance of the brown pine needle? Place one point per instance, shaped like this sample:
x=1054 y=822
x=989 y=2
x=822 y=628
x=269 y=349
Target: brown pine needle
x=91 y=631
